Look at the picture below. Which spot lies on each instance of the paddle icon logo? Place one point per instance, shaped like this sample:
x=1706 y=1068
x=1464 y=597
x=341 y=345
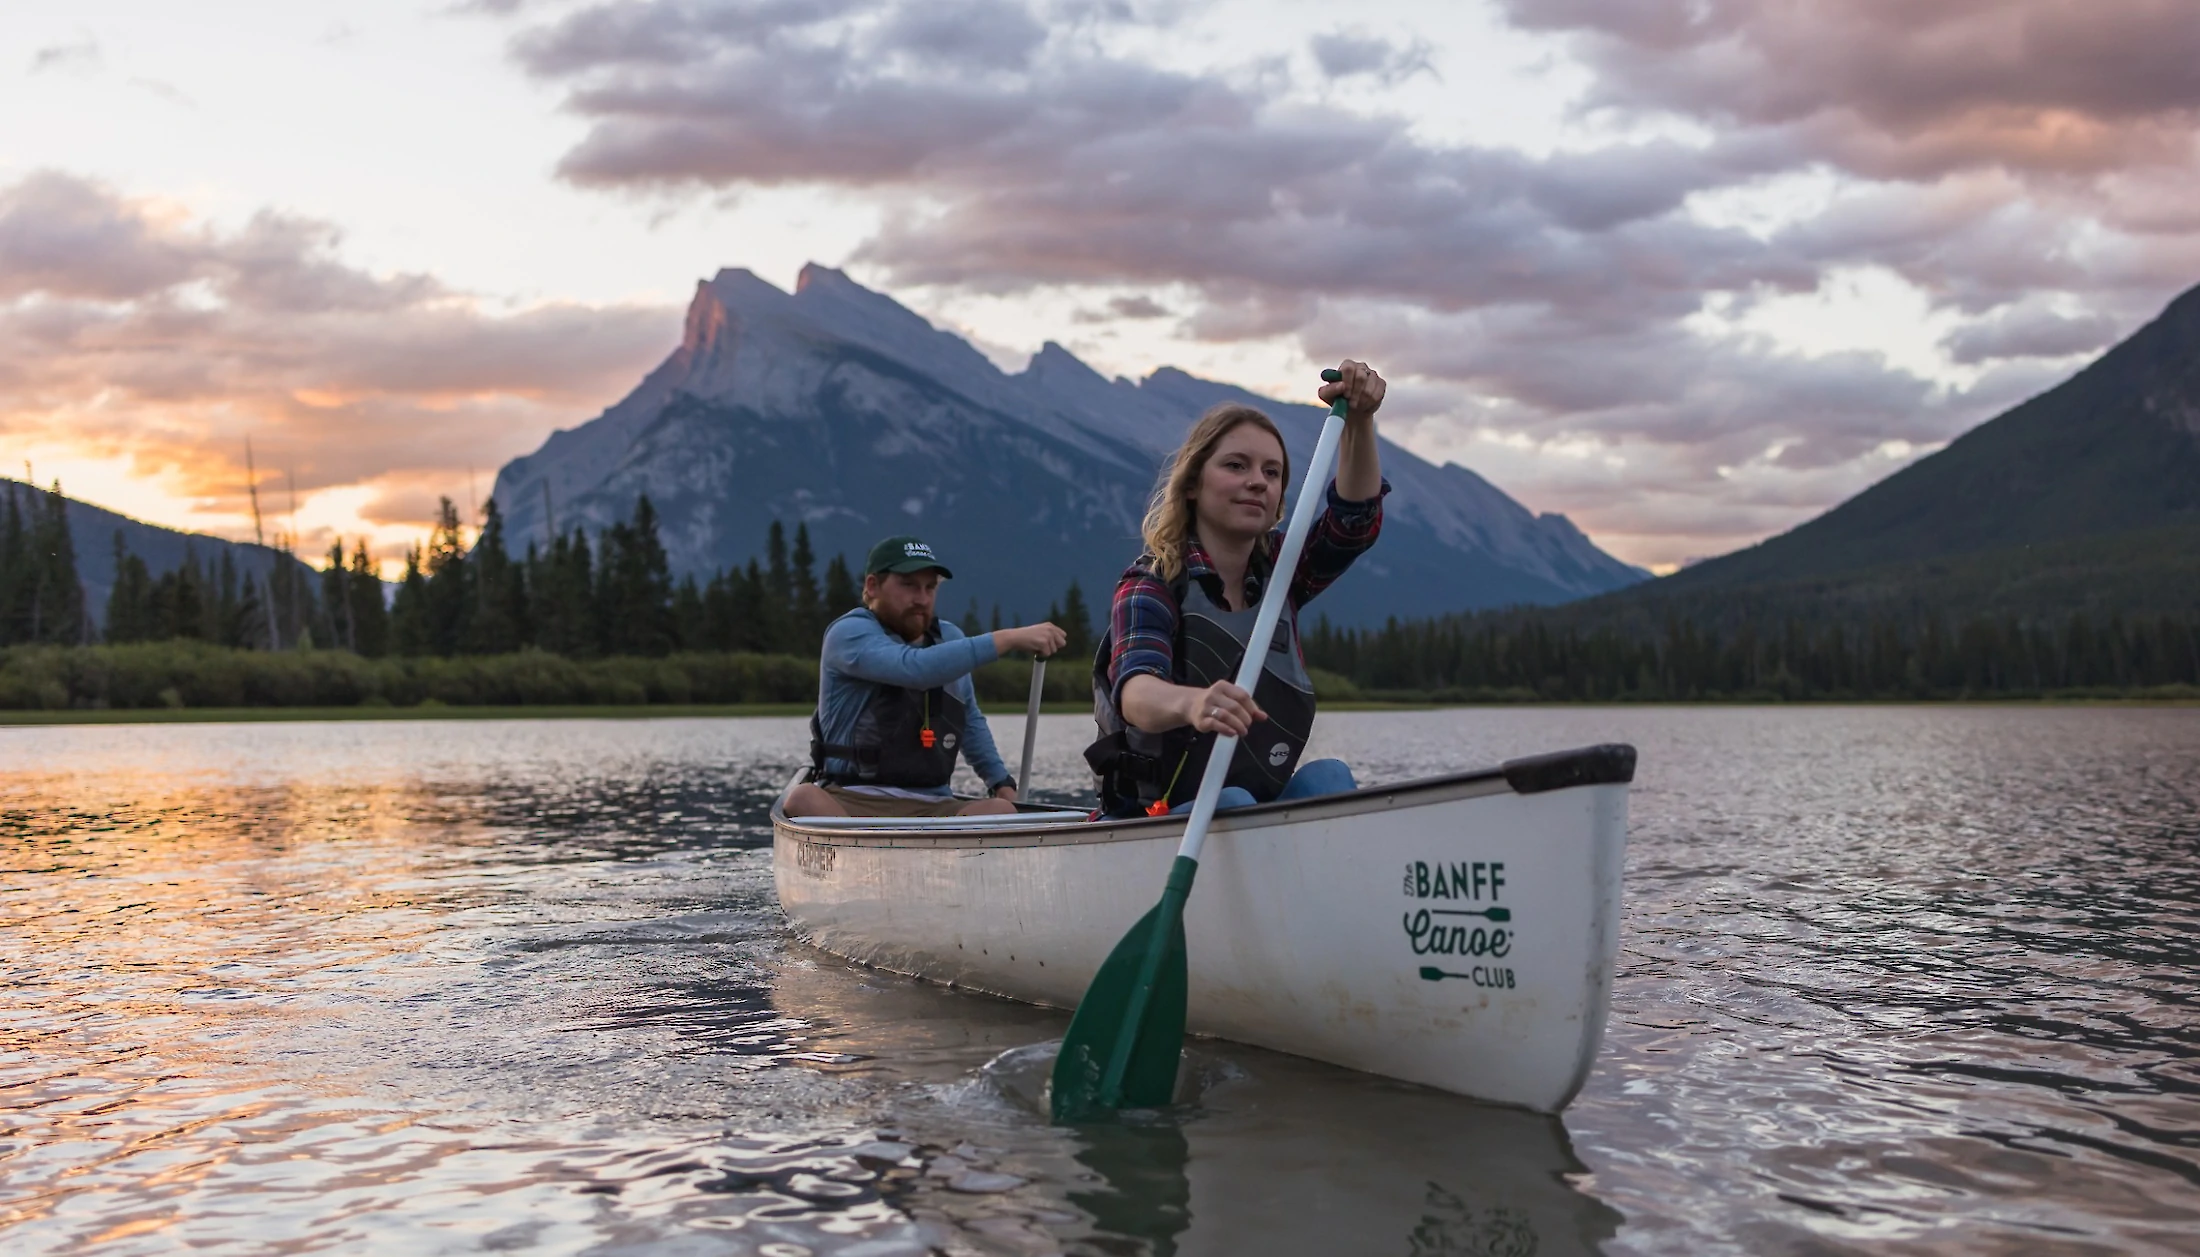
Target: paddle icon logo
x=947 y=741
x=1277 y=754
x=1474 y=925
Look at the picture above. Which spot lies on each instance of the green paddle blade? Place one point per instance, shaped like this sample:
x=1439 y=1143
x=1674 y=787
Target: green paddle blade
x=1123 y=1045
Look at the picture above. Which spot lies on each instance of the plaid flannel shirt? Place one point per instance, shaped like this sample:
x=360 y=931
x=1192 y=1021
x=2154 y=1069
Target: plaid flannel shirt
x=1142 y=620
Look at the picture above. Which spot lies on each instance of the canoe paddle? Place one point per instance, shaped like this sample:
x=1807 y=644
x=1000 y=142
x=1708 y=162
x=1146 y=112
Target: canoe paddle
x=1124 y=1041
x=1031 y=723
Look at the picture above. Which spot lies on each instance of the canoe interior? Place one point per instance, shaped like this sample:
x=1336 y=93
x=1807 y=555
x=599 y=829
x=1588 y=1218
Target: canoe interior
x=1607 y=763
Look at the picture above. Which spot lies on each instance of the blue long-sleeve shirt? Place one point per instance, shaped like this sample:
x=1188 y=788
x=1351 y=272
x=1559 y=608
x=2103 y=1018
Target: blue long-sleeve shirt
x=859 y=649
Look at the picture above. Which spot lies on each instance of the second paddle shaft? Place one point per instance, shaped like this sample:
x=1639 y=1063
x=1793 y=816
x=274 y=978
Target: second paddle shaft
x=1031 y=724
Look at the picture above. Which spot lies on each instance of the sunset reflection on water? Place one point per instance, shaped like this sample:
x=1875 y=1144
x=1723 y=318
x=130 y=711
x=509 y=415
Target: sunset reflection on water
x=1920 y=978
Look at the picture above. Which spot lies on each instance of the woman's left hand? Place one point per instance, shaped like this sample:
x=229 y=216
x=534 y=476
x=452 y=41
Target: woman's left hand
x=1360 y=384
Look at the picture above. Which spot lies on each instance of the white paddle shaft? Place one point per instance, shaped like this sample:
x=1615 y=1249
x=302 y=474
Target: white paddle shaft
x=1280 y=579
x=1031 y=724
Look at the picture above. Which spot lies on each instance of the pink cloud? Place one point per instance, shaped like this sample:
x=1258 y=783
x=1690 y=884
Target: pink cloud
x=2004 y=156
x=131 y=330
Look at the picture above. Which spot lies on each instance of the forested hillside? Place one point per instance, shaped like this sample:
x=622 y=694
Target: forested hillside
x=41 y=595
x=589 y=620
x=2112 y=451
x=1530 y=657
x=2055 y=548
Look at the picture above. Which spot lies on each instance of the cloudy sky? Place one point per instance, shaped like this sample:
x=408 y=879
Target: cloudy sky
x=1688 y=271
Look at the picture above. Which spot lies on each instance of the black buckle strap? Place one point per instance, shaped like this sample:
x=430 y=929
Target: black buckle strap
x=1112 y=756
x=821 y=750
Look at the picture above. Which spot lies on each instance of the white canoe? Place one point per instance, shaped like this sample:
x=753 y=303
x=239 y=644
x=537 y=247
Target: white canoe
x=1458 y=931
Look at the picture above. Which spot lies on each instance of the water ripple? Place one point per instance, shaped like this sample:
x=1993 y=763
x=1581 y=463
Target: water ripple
x=1896 y=979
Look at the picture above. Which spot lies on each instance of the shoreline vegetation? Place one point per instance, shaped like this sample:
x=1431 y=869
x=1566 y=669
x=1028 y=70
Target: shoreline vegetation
x=600 y=623
x=2190 y=697
x=187 y=680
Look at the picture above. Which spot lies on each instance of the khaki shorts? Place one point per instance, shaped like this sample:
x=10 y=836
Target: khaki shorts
x=861 y=803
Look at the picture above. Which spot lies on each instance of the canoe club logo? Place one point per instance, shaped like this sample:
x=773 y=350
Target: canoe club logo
x=915 y=550
x=1459 y=931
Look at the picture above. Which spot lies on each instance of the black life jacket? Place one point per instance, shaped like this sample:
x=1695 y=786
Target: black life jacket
x=904 y=737
x=1137 y=769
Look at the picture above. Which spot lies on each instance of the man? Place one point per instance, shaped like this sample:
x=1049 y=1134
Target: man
x=894 y=699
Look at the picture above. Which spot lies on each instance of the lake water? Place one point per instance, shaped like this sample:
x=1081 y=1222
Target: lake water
x=1914 y=979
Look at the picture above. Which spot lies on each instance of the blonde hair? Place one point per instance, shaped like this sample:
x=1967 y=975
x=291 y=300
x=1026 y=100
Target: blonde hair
x=1168 y=520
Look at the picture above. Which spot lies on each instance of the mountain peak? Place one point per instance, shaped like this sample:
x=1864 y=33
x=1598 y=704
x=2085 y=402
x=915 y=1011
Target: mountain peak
x=829 y=295
x=738 y=285
x=820 y=276
x=1055 y=365
x=838 y=406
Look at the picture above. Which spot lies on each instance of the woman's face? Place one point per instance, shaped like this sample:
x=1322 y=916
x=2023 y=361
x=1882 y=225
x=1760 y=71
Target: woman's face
x=1240 y=485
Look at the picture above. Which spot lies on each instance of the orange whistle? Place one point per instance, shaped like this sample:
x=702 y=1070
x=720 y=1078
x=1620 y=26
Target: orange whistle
x=927 y=737
x=1159 y=807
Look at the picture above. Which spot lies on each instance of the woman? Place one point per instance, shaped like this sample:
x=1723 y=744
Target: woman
x=1163 y=685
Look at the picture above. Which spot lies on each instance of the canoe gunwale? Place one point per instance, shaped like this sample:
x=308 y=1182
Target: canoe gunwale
x=1606 y=764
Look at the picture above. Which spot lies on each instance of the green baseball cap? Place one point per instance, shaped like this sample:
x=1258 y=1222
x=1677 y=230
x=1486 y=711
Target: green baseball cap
x=903 y=554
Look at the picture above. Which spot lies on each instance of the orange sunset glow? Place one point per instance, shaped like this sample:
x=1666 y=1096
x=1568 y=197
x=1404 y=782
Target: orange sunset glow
x=145 y=368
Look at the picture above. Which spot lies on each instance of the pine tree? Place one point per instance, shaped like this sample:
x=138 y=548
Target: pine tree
x=971 y=624
x=15 y=569
x=652 y=601
x=779 y=629
x=370 y=616
x=1076 y=622
x=448 y=594
x=130 y=602
x=562 y=604
x=499 y=615
x=280 y=601
x=180 y=600
x=720 y=630
x=56 y=593
x=336 y=596
x=753 y=611
x=805 y=605
x=842 y=594
x=635 y=586
x=247 y=624
x=412 y=623
x=690 y=628
x=227 y=628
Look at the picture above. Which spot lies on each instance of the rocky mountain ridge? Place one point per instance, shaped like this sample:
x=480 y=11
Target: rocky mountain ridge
x=837 y=407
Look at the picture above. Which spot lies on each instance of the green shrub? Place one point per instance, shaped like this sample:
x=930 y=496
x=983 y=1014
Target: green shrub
x=194 y=674
x=1332 y=688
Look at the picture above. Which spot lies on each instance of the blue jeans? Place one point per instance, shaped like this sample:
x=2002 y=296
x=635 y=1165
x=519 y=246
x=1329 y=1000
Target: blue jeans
x=1315 y=776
